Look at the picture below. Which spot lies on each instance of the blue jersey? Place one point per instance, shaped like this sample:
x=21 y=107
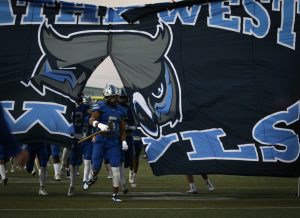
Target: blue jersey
x=79 y=118
x=109 y=115
x=136 y=134
x=128 y=116
x=87 y=128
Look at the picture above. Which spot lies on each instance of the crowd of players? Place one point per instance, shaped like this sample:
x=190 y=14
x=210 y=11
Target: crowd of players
x=117 y=127
x=117 y=144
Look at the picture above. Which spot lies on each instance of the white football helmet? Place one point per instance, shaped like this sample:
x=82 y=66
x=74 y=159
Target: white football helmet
x=121 y=92
x=109 y=90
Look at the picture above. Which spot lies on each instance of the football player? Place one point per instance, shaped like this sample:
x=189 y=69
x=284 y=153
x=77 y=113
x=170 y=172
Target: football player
x=134 y=165
x=80 y=112
x=87 y=146
x=108 y=117
x=128 y=155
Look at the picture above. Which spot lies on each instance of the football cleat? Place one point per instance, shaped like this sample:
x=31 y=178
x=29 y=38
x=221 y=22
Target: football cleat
x=209 y=185
x=71 y=191
x=62 y=170
x=13 y=169
x=5 y=180
x=92 y=180
x=68 y=173
x=124 y=189
x=131 y=174
x=109 y=175
x=77 y=171
x=42 y=191
x=85 y=186
x=33 y=173
x=57 y=177
x=116 y=198
x=192 y=191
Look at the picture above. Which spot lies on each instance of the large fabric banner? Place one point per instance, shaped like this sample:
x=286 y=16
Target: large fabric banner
x=214 y=87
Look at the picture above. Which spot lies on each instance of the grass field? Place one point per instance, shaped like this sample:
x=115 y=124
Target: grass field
x=164 y=196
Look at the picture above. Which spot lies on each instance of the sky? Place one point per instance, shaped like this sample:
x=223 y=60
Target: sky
x=106 y=73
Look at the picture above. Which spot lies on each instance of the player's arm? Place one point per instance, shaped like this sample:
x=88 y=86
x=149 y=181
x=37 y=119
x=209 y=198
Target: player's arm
x=95 y=123
x=123 y=134
x=123 y=130
x=94 y=117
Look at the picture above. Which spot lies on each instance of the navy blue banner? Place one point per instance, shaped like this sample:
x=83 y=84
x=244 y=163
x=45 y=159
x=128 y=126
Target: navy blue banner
x=213 y=86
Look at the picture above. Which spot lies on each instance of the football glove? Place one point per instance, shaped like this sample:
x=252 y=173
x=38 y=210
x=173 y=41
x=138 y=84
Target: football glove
x=124 y=146
x=103 y=127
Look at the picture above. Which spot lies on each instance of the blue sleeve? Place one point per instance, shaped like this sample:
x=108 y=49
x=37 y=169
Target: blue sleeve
x=99 y=106
x=11 y=146
x=123 y=112
x=95 y=107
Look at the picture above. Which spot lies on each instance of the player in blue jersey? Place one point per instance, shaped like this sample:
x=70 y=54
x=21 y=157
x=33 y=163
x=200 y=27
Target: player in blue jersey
x=108 y=117
x=137 y=148
x=80 y=112
x=133 y=139
x=40 y=151
x=86 y=147
x=130 y=126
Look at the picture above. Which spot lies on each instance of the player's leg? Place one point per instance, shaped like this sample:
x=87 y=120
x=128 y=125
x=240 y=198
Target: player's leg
x=64 y=160
x=2 y=166
x=108 y=168
x=55 y=153
x=128 y=157
x=137 y=148
x=208 y=183
x=122 y=179
x=12 y=163
x=79 y=161
x=97 y=158
x=30 y=165
x=74 y=156
x=193 y=188
x=114 y=156
x=87 y=149
x=43 y=158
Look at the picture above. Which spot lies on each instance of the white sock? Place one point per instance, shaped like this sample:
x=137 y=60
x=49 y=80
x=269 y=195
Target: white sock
x=42 y=176
x=2 y=171
x=65 y=155
x=86 y=170
x=37 y=164
x=131 y=172
x=34 y=168
x=72 y=175
x=56 y=167
x=193 y=186
x=122 y=174
x=116 y=176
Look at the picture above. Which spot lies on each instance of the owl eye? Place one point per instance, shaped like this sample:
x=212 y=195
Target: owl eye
x=159 y=92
